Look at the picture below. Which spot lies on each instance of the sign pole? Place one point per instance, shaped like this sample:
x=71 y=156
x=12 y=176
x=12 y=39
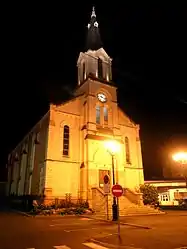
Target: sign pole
x=107 y=214
x=118 y=219
x=117 y=191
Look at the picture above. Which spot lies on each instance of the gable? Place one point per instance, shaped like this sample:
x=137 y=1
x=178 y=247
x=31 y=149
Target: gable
x=81 y=55
x=71 y=107
x=101 y=52
x=124 y=119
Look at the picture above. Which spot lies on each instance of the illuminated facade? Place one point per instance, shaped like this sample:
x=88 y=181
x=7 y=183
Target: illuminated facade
x=65 y=152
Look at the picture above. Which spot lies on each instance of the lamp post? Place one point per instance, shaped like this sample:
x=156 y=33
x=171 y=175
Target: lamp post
x=181 y=158
x=112 y=148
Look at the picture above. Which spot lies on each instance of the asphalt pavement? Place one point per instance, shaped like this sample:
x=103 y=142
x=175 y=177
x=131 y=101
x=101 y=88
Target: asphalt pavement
x=71 y=232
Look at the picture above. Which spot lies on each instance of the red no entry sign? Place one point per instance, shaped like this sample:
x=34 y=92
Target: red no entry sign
x=117 y=190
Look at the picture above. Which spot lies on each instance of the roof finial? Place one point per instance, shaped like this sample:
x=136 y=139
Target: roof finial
x=93 y=12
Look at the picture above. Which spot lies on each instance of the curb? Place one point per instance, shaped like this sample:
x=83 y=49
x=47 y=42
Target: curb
x=22 y=213
x=129 y=215
x=122 y=223
x=112 y=245
x=43 y=216
x=54 y=216
x=135 y=225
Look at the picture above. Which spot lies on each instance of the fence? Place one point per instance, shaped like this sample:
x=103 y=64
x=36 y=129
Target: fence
x=25 y=202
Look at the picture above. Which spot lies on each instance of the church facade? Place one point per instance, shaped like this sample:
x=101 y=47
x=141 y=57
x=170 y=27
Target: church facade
x=66 y=152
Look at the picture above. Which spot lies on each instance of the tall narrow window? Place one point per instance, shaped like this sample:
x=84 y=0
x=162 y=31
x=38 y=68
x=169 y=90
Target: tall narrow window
x=100 y=68
x=127 y=150
x=83 y=71
x=98 y=114
x=110 y=72
x=66 y=141
x=105 y=110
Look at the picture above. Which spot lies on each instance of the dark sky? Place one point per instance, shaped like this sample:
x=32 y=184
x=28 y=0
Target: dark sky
x=40 y=46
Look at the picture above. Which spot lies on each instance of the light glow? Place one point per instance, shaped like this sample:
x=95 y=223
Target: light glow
x=112 y=146
x=180 y=157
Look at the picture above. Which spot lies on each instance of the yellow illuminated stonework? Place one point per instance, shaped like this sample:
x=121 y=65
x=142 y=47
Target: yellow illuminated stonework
x=66 y=153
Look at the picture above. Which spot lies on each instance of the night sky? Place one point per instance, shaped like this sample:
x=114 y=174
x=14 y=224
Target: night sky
x=40 y=47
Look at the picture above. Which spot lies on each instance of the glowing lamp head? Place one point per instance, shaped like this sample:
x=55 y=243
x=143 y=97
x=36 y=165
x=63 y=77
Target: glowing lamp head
x=180 y=157
x=112 y=146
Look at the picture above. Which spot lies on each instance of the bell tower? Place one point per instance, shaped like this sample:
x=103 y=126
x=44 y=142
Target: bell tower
x=95 y=82
x=94 y=61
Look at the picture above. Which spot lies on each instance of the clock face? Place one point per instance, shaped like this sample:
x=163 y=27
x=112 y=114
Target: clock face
x=101 y=97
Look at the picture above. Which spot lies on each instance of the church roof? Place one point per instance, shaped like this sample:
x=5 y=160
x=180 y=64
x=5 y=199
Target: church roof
x=93 y=41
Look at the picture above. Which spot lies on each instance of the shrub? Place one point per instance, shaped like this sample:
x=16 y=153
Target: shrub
x=150 y=194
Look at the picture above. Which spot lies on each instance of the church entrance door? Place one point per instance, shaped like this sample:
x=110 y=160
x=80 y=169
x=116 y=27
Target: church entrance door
x=102 y=173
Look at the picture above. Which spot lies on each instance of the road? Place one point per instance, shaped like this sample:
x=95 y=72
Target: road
x=19 y=232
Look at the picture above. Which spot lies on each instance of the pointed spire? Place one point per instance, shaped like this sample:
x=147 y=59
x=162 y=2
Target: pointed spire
x=93 y=36
x=93 y=12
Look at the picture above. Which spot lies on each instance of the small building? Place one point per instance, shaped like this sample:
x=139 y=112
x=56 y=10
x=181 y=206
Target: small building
x=170 y=192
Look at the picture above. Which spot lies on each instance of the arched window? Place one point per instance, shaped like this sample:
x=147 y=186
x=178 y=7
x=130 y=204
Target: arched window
x=105 y=111
x=66 y=141
x=110 y=72
x=97 y=114
x=100 y=68
x=127 y=150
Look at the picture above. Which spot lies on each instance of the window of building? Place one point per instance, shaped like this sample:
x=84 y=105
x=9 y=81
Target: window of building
x=98 y=114
x=110 y=72
x=165 y=197
x=105 y=111
x=127 y=149
x=33 y=150
x=100 y=68
x=83 y=70
x=66 y=141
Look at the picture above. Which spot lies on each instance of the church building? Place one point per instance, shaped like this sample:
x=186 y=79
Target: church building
x=75 y=144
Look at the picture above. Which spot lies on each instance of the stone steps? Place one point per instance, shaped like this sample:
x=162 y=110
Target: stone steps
x=127 y=206
x=133 y=211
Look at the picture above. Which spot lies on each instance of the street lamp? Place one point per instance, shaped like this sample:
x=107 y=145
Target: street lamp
x=113 y=147
x=181 y=157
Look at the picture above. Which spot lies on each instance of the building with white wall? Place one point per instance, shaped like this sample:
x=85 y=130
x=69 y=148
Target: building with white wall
x=170 y=192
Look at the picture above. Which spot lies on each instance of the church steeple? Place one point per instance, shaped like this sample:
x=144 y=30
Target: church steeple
x=94 y=61
x=93 y=41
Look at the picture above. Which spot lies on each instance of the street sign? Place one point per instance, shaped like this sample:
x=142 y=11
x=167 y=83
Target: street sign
x=106 y=179
x=117 y=190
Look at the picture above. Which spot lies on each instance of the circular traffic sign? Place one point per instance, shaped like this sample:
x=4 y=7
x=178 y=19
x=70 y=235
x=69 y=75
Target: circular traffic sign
x=117 y=190
x=106 y=179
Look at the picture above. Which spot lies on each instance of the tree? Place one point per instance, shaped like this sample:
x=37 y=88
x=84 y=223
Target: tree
x=150 y=194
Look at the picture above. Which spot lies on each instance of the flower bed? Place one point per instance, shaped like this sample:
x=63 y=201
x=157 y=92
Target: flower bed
x=63 y=209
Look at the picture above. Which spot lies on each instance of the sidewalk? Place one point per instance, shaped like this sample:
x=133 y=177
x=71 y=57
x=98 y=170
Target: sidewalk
x=139 y=221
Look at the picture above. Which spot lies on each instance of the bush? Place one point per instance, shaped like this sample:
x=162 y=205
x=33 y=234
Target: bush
x=65 y=207
x=83 y=204
x=150 y=194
